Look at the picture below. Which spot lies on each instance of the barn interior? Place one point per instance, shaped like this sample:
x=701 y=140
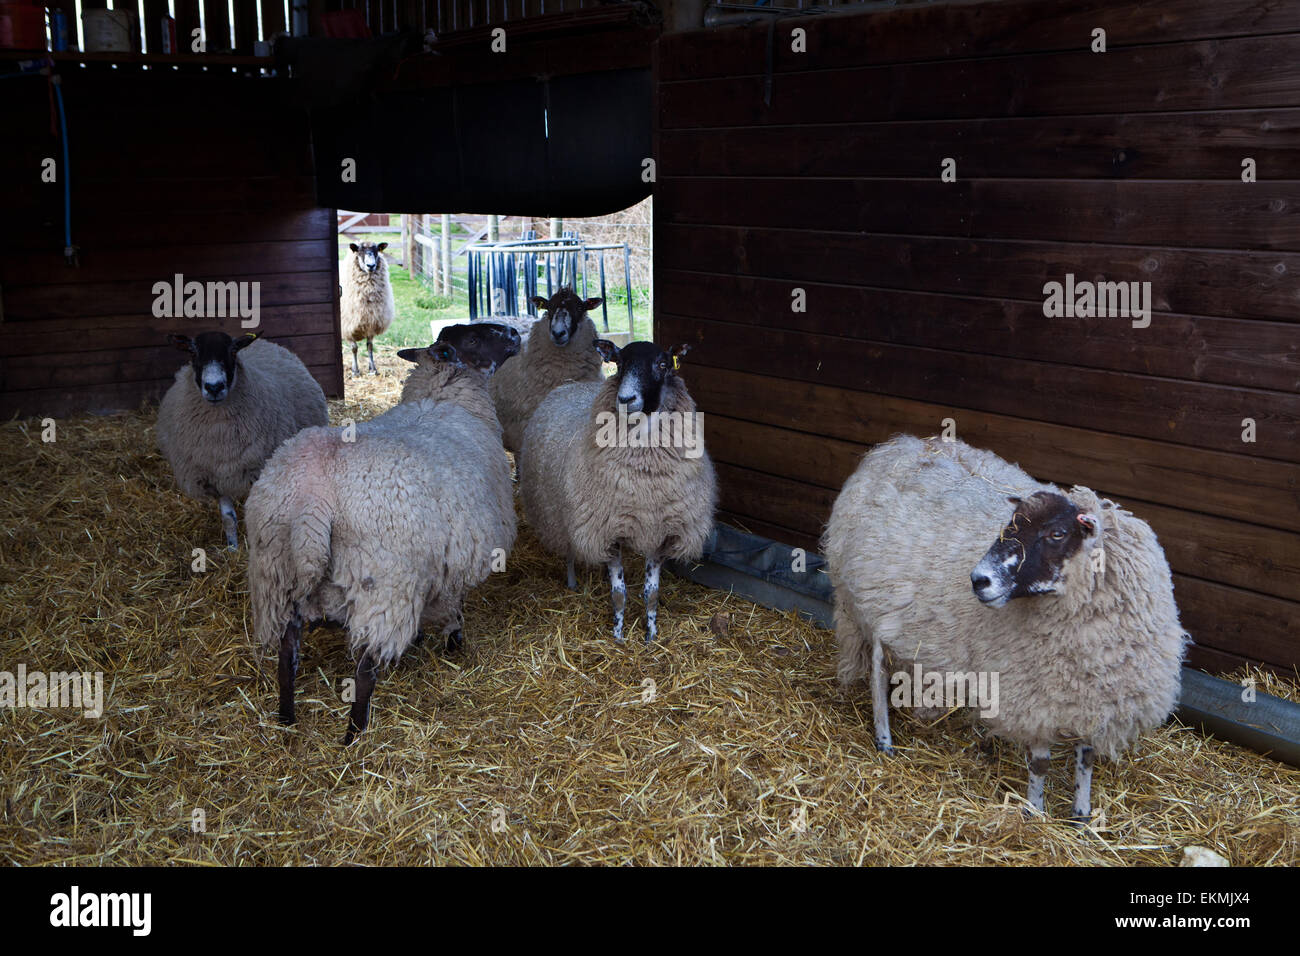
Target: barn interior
x=857 y=209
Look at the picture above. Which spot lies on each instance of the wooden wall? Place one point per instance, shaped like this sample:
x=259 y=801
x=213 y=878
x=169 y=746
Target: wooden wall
x=924 y=298
x=202 y=174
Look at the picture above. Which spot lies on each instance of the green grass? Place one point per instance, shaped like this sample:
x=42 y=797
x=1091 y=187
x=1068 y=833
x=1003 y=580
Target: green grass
x=416 y=305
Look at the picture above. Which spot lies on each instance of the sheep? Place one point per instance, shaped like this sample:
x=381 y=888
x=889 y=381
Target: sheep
x=366 y=299
x=558 y=349
x=620 y=463
x=1073 y=609
x=228 y=410
x=432 y=379
x=384 y=530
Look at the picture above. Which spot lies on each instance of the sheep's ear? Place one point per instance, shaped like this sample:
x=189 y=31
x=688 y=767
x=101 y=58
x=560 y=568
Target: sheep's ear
x=382 y=246
x=678 y=352
x=245 y=342
x=411 y=355
x=182 y=342
x=607 y=349
x=1088 y=522
x=1015 y=501
x=590 y=304
x=541 y=303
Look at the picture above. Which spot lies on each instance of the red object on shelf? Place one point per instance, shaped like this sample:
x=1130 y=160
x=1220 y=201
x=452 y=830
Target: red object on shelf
x=345 y=25
x=22 y=26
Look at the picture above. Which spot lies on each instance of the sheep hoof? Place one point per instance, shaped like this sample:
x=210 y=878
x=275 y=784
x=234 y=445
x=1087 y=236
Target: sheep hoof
x=885 y=746
x=419 y=639
x=1080 y=818
x=455 y=641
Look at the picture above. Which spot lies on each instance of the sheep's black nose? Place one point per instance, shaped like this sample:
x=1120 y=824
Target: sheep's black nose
x=979 y=582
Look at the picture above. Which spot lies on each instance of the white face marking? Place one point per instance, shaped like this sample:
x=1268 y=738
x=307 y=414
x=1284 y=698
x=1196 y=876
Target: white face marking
x=630 y=391
x=560 y=325
x=214 y=381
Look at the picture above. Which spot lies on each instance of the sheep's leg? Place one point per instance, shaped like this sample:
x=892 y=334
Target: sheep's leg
x=1040 y=760
x=229 y=523
x=359 y=719
x=455 y=637
x=370 y=345
x=572 y=579
x=880 y=698
x=356 y=369
x=618 y=592
x=651 y=595
x=289 y=642
x=1083 y=760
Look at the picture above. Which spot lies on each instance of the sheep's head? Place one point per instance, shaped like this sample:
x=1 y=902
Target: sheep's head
x=564 y=313
x=215 y=359
x=483 y=345
x=367 y=255
x=1047 y=530
x=643 y=370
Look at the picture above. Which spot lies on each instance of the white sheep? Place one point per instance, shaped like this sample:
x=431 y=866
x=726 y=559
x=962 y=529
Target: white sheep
x=366 y=306
x=1072 y=613
x=386 y=532
x=620 y=463
x=228 y=410
x=559 y=348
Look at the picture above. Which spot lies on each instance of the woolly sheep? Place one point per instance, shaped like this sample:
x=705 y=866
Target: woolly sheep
x=1073 y=607
x=228 y=410
x=366 y=299
x=558 y=349
x=384 y=533
x=620 y=463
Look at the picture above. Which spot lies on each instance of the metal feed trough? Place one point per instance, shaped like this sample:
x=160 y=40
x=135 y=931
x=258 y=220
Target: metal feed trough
x=504 y=276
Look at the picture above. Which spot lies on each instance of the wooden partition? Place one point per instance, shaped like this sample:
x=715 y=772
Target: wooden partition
x=206 y=175
x=924 y=299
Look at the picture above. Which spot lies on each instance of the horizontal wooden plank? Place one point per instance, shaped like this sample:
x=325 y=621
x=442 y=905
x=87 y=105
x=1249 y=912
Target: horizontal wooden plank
x=1246 y=352
x=1188 y=281
x=953 y=30
x=142 y=364
x=1203 y=416
x=1228 y=485
x=160 y=262
x=67 y=336
x=1212 y=613
x=32 y=303
x=171 y=198
x=122 y=396
x=1205 y=75
x=1228 y=214
x=176 y=229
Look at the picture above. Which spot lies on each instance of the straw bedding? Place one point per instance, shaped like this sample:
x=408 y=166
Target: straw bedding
x=542 y=743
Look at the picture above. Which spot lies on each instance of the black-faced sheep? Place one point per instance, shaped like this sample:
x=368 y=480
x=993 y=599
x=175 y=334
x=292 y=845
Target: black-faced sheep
x=620 y=463
x=228 y=410
x=1072 y=612
x=366 y=306
x=559 y=348
x=387 y=532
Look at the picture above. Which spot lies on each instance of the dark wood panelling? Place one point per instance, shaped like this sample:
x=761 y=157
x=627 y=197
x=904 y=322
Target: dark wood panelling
x=1203 y=416
x=1180 y=146
x=1191 y=281
x=1251 y=353
x=957 y=30
x=1219 y=215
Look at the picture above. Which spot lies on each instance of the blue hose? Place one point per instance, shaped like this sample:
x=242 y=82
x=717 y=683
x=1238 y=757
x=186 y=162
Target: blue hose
x=68 y=251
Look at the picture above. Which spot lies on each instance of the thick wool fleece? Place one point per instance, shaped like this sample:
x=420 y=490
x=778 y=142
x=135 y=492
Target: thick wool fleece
x=582 y=499
x=459 y=384
x=382 y=534
x=218 y=450
x=519 y=385
x=1098 y=661
x=366 y=306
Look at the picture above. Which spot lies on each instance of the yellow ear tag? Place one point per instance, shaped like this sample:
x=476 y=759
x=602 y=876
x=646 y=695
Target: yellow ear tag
x=677 y=362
